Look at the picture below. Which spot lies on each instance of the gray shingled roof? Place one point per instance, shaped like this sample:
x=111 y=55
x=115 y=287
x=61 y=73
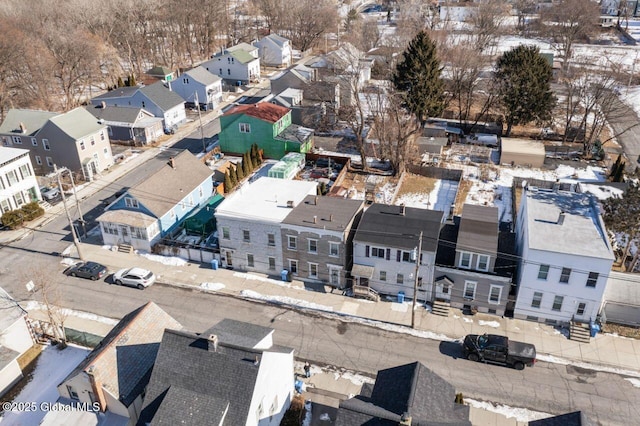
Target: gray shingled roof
x=120 y=92
x=239 y=333
x=387 y=226
x=33 y=121
x=195 y=408
x=184 y=361
x=160 y=95
x=117 y=114
x=77 y=123
x=478 y=229
x=330 y=213
x=163 y=190
x=201 y=75
x=123 y=360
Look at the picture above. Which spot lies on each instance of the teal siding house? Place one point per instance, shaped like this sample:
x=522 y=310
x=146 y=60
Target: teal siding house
x=265 y=124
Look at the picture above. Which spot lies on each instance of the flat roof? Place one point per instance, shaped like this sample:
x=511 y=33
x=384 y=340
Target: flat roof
x=266 y=199
x=581 y=232
x=7 y=153
x=522 y=146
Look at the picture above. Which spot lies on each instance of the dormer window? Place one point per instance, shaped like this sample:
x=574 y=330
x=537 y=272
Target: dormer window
x=131 y=202
x=483 y=262
x=465 y=260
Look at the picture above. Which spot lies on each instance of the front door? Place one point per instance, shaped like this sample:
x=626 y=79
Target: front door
x=124 y=233
x=229 y=261
x=443 y=292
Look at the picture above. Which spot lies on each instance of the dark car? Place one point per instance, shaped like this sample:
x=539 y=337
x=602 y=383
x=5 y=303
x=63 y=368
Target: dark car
x=499 y=350
x=91 y=270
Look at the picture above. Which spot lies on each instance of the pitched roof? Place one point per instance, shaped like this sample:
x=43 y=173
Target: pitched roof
x=331 y=213
x=31 y=119
x=120 y=92
x=159 y=71
x=164 y=189
x=240 y=333
x=77 y=123
x=246 y=47
x=263 y=111
x=123 y=360
x=118 y=114
x=412 y=389
x=8 y=153
x=201 y=75
x=478 y=229
x=184 y=362
x=279 y=40
x=10 y=311
x=386 y=225
x=160 y=95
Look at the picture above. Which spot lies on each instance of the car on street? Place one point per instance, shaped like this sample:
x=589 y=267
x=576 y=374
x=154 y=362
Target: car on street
x=49 y=193
x=91 y=270
x=134 y=277
x=499 y=350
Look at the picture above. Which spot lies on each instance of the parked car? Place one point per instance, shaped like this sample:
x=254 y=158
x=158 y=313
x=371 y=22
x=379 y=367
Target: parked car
x=499 y=350
x=91 y=270
x=49 y=193
x=134 y=277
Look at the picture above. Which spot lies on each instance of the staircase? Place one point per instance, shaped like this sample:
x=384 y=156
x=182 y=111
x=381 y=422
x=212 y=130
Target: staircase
x=440 y=308
x=579 y=331
x=366 y=293
x=125 y=248
x=45 y=205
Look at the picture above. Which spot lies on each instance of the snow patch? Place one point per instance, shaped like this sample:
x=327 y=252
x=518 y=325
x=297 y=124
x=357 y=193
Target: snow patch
x=634 y=382
x=265 y=280
x=595 y=367
x=520 y=414
x=494 y=324
x=285 y=300
x=212 y=286
x=165 y=260
x=33 y=305
x=467 y=320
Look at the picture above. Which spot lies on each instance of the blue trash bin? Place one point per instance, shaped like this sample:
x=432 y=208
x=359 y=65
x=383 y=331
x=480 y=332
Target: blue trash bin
x=214 y=264
x=595 y=328
x=284 y=274
x=401 y=297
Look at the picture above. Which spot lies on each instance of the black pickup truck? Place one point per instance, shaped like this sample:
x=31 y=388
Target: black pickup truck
x=499 y=350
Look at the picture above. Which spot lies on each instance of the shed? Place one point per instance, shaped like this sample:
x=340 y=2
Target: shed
x=522 y=152
x=288 y=166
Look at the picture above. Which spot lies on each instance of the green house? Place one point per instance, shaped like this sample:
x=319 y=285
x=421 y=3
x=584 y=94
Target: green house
x=265 y=124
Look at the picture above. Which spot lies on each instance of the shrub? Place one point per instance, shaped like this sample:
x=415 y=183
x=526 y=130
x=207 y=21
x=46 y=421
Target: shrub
x=13 y=219
x=32 y=211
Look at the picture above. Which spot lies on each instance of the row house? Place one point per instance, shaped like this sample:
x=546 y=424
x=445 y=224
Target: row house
x=18 y=184
x=565 y=257
x=317 y=237
x=249 y=220
x=386 y=247
x=239 y=63
x=75 y=139
x=475 y=262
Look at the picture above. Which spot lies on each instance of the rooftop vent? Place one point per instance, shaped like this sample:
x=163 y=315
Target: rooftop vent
x=291 y=204
x=213 y=342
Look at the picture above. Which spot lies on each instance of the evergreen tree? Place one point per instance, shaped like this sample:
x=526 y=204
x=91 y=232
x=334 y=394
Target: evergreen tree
x=247 y=159
x=232 y=175
x=227 y=182
x=245 y=165
x=258 y=155
x=417 y=75
x=253 y=152
x=132 y=80
x=523 y=80
x=619 y=172
x=120 y=82
x=240 y=174
x=615 y=166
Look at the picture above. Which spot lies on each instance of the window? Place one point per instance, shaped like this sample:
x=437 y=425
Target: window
x=292 y=242
x=5 y=206
x=250 y=260
x=38 y=160
x=17 y=140
x=2 y=183
x=313 y=270
x=220 y=71
x=72 y=392
x=143 y=105
x=400 y=278
x=12 y=178
x=25 y=171
x=49 y=161
x=406 y=256
x=593 y=279
x=495 y=292
x=581 y=308
x=132 y=203
x=293 y=266
x=564 y=276
x=106 y=152
x=110 y=228
x=383 y=275
x=537 y=300
x=45 y=145
x=543 y=272
x=470 y=290
x=225 y=232
x=334 y=276
x=82 y=147
x=272 y=263
x=19 y=199
x=483 y=262
x=465 y=260
x=246 y=236
x=334 y=249
x=34 y=141
x=102 y=135
x=93 y=141
x=271 y=239
x=313 y=246
x=245 y=128
x=138 y=233
x=228 y=71
x=557 y=303
x=377 y=252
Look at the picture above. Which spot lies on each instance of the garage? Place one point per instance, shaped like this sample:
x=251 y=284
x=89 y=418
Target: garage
x=522 y=152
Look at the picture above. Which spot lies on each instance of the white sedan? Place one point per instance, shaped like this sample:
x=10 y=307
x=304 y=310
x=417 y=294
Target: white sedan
x=134 y=277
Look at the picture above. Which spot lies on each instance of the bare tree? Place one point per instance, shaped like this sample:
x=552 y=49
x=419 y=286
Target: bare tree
x=523 y=9
x=414 y=16
x=488 y=20
x=464 y=68
x=308 y=21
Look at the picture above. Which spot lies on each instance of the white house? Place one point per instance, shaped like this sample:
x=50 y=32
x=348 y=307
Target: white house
x=274 y=50
x=238 y=63
x=249 y=221
x=18 y=184
x=565 y=257
x=199 y=86
x=15 y=340
x=383 y=246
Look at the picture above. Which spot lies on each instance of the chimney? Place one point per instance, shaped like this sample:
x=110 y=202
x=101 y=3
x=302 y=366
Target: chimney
x=213 y=342
x=23 y=128
x=331 y=218
x=405 y=420
x=172 y=163
x=315 y=219
x=315 y=201
x=402 y=209
x=103 y=104
x=257 y=361
x=561 y=218
x=96 y=387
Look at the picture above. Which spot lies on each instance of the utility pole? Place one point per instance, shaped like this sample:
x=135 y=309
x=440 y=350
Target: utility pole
x=64 y=202
x=418 y=252
x=204 y=147
x=75 y=195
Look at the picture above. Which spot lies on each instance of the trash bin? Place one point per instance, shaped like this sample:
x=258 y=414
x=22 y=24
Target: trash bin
x=595 y=328
x=214 y=264
x=401 y=297
x=284 y=274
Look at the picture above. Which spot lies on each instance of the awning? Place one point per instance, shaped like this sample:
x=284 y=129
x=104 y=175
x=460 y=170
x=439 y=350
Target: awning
x=363 y=271
x=444 y=280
